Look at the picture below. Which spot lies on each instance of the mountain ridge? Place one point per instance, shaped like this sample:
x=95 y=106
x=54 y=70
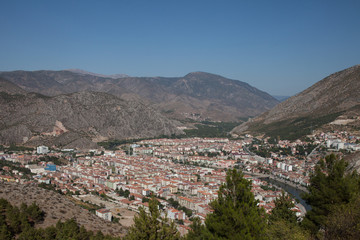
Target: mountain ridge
x=83 y=72
x=197 y=95
x=77 y=119
x=331 y=97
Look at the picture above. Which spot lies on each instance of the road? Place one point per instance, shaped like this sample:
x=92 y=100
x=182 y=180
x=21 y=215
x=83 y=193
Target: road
x=313 y=151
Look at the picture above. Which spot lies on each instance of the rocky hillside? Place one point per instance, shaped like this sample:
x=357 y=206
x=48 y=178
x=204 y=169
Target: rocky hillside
x=197 y=95
x=57 y=207
x=76 y=119
x=337 y=95
x=10 y=88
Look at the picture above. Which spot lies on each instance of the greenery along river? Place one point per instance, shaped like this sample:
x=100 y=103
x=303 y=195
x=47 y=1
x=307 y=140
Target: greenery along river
x=297 y=193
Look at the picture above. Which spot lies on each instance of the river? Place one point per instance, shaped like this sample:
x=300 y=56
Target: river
x=290 y=189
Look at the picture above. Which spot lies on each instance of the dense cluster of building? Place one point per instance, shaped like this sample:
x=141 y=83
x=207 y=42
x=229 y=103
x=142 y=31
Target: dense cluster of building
x=188 y=171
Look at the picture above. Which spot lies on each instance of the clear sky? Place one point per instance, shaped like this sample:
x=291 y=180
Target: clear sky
x=281 y=47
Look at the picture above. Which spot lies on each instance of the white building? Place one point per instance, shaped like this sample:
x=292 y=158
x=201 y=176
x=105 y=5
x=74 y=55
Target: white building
x=328 y=143
x=42 y=149
x=289 y=168
x=283 y=165
x=35 y=168
x=104 y=213
x=175 y=214
x=340 y=145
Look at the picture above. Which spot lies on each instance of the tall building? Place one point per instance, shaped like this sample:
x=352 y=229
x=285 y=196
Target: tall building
x=42 y=149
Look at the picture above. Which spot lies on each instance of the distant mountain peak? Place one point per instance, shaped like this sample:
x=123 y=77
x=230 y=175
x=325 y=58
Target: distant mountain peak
x=198 y=95
x=83 y=72
x=201 y=74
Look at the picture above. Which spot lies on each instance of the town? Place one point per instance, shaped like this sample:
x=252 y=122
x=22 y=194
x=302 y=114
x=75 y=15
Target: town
x=183 y=174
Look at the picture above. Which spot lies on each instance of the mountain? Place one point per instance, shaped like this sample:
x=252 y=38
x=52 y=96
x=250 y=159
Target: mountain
x=218 y=98
x=83 y=72
x=280 y=97
x=9 y=87
x=336 y=96
x=52 y=83
x=77 y=119
x=198 y=95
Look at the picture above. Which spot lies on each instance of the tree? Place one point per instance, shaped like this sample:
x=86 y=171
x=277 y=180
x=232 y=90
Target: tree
x=67 y=229
x=283 y=223
x=187 y=211
x=126 y=193
x=174 y=203
x=282 y=210
x=344 y=223
x=198 y=231
x=152 y=225
x=5 y=234
x=330 y=186
x=13 y=219
x=35 y=213
x=236 y=214
x=282 y=229
x=50 y=233
x=30 y=233
x=120 y=192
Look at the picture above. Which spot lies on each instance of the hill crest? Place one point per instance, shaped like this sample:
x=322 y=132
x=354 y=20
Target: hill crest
x=197 y=95
x=317 y=105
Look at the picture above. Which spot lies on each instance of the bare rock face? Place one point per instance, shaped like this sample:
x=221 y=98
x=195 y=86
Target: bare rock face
x=206 y=95
x=77 y=119
x=337 y=93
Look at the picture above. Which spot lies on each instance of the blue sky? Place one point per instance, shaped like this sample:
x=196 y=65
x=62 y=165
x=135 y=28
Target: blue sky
x=281 y=47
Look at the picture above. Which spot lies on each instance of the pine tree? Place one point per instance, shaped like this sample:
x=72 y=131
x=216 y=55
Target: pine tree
x=30 y=233
x=198 y=231
x=282 y=210
x=13 y=219
x=5 y=234
x=49 y=233
x=236 y=214
x=283 y=223
x=152 y=226
x=282 y=229
x=344 y=222
x=330 y=186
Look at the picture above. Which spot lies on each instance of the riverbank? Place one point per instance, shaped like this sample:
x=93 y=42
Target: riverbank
x=261 y=175
x=295 y=190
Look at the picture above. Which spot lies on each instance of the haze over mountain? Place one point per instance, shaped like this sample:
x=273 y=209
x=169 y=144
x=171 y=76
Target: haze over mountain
x=280 y=97
x=75 y=120
x=198 y=95
x=335 y=95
